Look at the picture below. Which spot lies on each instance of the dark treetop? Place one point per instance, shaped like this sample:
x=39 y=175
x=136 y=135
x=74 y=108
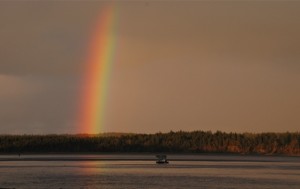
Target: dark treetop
x=172 y=142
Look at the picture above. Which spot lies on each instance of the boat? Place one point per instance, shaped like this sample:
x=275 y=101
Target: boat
x=161 y=159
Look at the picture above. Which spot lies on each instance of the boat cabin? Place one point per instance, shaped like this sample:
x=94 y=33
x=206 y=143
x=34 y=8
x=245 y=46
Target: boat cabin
x=161 y=159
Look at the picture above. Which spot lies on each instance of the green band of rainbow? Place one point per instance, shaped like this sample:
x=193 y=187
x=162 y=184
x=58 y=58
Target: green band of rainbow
x=98 y=71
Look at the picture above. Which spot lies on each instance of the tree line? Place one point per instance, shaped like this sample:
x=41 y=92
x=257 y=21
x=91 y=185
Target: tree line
x=172 y=142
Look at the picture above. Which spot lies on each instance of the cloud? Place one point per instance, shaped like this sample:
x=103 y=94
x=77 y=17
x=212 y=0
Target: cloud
x=39 y=104
x=45 y=38
x=231 y=66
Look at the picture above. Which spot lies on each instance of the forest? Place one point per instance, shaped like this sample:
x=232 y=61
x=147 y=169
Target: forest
x=171 y=142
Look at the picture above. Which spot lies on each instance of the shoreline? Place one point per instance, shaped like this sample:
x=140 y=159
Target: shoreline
x=148 y=154
x=148 y=157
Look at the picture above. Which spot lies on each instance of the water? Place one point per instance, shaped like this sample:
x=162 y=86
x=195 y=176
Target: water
x=140 y=171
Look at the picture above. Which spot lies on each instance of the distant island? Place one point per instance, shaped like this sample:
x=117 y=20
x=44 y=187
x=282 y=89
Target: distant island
x=171 y=142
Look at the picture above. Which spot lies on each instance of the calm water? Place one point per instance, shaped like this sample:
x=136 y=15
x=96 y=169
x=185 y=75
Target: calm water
x=140 y=171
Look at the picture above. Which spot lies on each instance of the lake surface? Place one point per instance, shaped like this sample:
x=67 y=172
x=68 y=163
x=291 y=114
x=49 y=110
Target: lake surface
x=140 y=171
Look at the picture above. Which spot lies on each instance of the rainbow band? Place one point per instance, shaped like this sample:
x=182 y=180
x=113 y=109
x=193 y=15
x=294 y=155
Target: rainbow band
x=98 y=71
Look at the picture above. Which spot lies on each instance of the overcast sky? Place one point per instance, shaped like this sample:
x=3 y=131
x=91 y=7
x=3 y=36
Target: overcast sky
x=229 y=66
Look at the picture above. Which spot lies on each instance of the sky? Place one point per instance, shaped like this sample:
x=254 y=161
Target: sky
x=229 y=66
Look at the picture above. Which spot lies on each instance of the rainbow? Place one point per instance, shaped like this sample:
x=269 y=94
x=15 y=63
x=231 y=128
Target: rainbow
x=97 y=72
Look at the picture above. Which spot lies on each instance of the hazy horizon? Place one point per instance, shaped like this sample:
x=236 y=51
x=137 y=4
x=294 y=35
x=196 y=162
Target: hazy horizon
x=228 y=66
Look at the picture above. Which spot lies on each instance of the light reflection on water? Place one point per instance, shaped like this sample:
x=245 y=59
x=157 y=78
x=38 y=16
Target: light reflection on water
x=146 y=174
